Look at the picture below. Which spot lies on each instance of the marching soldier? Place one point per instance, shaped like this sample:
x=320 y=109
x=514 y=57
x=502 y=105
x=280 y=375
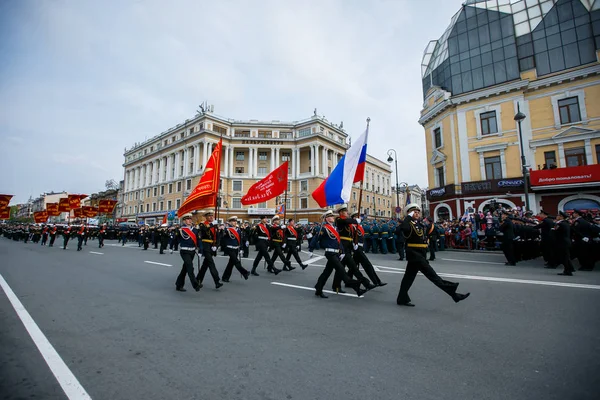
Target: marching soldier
x=262 y=237
x=416 y=252
x=164 y=238
x=233 y=239
x=360 y=258
x=66 y=236
x=374 y=237
x=53 y=232
x=44 y=235
x=562 y=231
x=277 y=240
x=292 y=241
x=384 y=230
x=546 y=228
x=400 y=243
x=80 y=236
x=508 y=230
x=208 y=235
x=330 y=241
x=101 y=235
x=583 y=235
x=246 y=240
x=188 y=239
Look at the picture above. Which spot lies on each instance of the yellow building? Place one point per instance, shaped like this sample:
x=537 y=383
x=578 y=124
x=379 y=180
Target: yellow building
x=497 y=59
x=161 y=172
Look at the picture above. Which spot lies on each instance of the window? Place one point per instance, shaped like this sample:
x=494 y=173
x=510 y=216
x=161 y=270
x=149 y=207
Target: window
x=237 y=186
x=162 y=190
x=242 y=134
x=569 y=110
x=155 y=191
x=304 y=203
x=153 y=206
x=368 y=199
x=575 y=157
x=169 y=205
x=353 y=195
x=440 y=175
x=239 y=156
x=188 y=184
x=265 y=134
x=220 y=129
x=262 y=205
x=137 y=195
x=286 y=156
x=549 y=159
x=286 y=135
x=262 y=170
x=493 y=168
x=237 y=202
x=304 y=186
x=289 y=186
x=148 y=193
x=141 y=195
x=304 y=132
x=437 y=137
x=488 y=123
x=239 y=170
x=170 y=188
x=262 y=156
x=598 y=154
x=162 y=205
x=179 y=186
x=178 y=203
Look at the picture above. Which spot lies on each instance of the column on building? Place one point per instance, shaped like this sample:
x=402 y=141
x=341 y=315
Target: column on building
x=169 y=167
x=297 y=150
x=312 y=160
x=250 y=162
x=277 y=157
x=196 y=158
x=317 y=169
x=204 y=153
x=232 y=160
x=186 y=160
x=272 y=158
x=225 y=169
x=481 y=167
x=293 y=160
x=324 y=162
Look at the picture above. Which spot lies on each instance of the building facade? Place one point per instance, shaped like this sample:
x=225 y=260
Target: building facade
x=161 y=172
x=499 y=58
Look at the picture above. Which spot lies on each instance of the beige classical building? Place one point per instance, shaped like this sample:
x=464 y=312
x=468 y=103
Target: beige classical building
x=161 y=172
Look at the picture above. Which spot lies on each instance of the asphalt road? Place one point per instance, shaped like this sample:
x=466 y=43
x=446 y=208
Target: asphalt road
x=125 y=333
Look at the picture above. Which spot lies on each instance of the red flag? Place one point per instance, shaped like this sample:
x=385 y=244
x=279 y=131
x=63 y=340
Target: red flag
x=270 y=187
x=52 y=209
x=63 y=205
x=204 y=194
x=89 y=211
x=106 y=206
x=5 y=213
x=164 y=221
x=40 y=217
x=78 y=213
x=4 y=200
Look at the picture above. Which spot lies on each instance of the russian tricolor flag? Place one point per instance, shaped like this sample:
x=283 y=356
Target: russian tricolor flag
x=337 y=187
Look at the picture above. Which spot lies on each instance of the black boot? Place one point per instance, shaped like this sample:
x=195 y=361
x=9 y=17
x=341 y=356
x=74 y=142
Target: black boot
x=459 y=297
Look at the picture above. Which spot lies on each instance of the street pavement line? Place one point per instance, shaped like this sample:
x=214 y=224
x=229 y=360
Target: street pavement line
x=314 y=260
x=525 y=281
x=69 y=384
x=309 y=288
x=157 y=263
x=471 y=261
x=95 y=252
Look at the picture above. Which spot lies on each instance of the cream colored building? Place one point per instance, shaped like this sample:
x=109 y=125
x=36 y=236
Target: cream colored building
x=161 y=172
x=494 y=60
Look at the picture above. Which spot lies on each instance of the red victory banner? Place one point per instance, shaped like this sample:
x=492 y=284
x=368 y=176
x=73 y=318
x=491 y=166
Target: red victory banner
x=204 y=194
x=4 y=200
x=63 y=205
x=5 y=213
x=78 y=213
x=89 y=211
x=75 y=200
x=52 y=209
x=106 y=206
x=40 y=217
x=270 y=187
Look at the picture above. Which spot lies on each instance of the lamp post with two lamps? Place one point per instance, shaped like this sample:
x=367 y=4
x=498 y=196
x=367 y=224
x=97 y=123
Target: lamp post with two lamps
x=519 y=117
x=395 y=159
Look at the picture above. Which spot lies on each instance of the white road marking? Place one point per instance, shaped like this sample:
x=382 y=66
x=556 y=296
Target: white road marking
x=314 y=260
x=524 y=281
x=157 y=263
x=471 y=261
x=309 y=288
x=95 y=252
x=69 y=384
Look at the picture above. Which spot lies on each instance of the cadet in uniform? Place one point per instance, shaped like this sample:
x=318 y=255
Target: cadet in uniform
x=66 y=236
x=80 y=237
x=562 y=242
x=262 y=238
x=188 y=239
x=508 y=235
x=208 y=235
x=101 y=234
x=583 y=235
x=416 y=252
x=292 y=241
x=546 y=227
x=277 y=240
x=233 y=239
x=53 y=231
x=360 y=258
x=329 y=240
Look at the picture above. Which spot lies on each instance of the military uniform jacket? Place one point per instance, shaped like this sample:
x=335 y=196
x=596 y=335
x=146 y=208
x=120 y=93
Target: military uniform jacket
x=583 y=229
x=277 y=234
x=563 y=234
x=414 y=233
x=262 y=232
x=328 y=239
x=232 y=237
x=292 y=236
x=344 y=228
x=208 y=234
x=508 y=229
x=545 y=228
x=358 y=234
x=188 y=238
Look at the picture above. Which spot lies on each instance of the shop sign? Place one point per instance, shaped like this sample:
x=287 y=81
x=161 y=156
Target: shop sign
x=566 y=176
x=260 y=211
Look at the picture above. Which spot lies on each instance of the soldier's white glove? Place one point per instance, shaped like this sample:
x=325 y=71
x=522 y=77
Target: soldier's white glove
x=355 y=247
x=283 y=226
x=309 y=235
x=213 y=248
x=247 y=243
x=358 y=220
x=283 y=247
x=585 y=239
x=297 y=247
x=215 y=223
x=342 y=256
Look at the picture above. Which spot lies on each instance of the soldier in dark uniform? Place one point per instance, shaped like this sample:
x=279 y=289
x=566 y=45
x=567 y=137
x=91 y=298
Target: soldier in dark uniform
x=546 y=228
x=233 y=239
x=292 y=242
x=416 y=252
x=583 y=235
x=374 y=237
x=400 y=243
x=208 y=237
x=391 y=241
x=80 y=236
x=562 y=243
x=164 y=238
x=262 y=238
x=53 y=232
x=367 y=228
x=66 y=236
x=344 y=228
x=44 y=235
x=330 y=241
x=508 y=231
x=246 y=240
x=101 y=235
x=189 y=243
x=278 y=243
x=360 y=258
x=384 y=231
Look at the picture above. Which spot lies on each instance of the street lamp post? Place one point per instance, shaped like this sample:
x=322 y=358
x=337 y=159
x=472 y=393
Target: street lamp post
x=395 y=159
x=519 y=117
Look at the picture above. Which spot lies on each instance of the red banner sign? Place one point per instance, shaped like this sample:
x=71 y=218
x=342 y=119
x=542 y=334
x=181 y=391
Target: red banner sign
x=40 y=217
x=78 y=213
x=4 y=200
x=63 y=205
x=5 y=213
x=270 y=187
x=566 y=176
x=75 y=200
x=106 y=206
x=52 y=209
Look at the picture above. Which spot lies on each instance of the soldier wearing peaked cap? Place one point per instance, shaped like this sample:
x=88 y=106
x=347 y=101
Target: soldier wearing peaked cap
x=583 y=234
x=360 y=258
x=233 y=239
x=547 y=233
x=278 y=243
x=262 y=238
x=208 y=247
x=416 y=252
x=562 y=243
x=188 y=241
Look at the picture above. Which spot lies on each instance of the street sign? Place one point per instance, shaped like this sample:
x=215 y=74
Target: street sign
x=398 y=209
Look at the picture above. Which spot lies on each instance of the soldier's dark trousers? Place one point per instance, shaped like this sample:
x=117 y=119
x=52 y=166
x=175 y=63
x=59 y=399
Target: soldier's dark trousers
x=65 y=241
x=292 y=251
x=261 y=248
x=278 y=253
x=44 y=239
x=401 y=249
x=187 y=268
x=417 y=262
x=234 y=261
x=353 y=270
x=52 y=239
x=208 y=264
x=333 y=263
x=100 y=242
x=79 y=242
x=585 y=254
x=163 y=246
x=564 y=258
x=432 y=250
x=508 y=249
x=391 y=244
x=360 y=258
x=383 y=246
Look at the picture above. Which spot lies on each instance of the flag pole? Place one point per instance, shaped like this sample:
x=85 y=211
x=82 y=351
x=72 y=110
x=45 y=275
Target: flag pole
x=362 y=181
x=219 y=185
x=284 y=204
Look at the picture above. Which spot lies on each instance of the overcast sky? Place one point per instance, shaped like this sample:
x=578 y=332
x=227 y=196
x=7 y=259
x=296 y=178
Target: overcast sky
x=81 y=80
